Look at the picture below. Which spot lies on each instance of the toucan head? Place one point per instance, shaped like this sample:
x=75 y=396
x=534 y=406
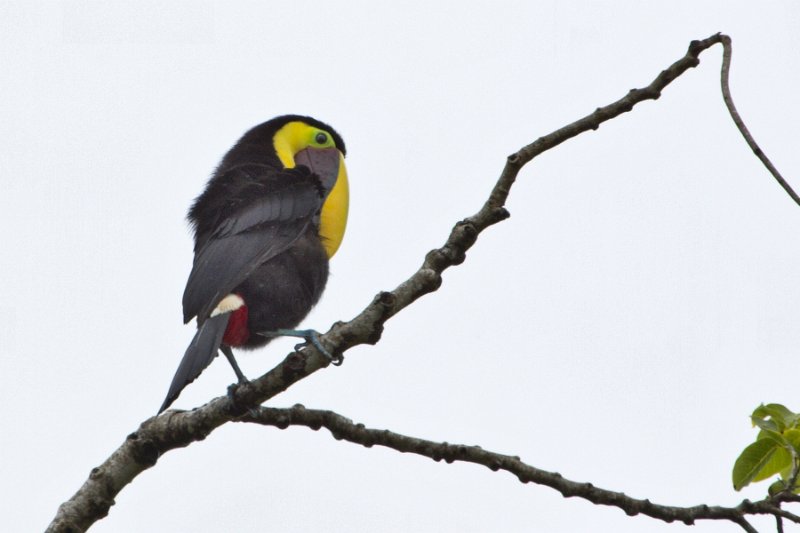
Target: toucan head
x=289 y=141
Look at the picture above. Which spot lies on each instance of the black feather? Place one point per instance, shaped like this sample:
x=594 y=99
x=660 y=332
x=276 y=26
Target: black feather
x=198 y=356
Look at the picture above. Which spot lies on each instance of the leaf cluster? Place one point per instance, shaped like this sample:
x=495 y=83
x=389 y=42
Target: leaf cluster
x=775 y=451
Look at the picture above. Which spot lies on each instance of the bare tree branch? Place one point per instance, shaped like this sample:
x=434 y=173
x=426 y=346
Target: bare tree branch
x=727 y=50
x=787 y=497
x=342 y=428
x=176 y=429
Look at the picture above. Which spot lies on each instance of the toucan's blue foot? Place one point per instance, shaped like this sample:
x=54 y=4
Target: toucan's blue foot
x=311 y=336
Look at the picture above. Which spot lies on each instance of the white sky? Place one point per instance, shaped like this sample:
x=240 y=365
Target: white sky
x=619 y=328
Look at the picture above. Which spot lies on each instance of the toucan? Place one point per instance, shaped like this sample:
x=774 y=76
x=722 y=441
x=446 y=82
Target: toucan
x=271 y=216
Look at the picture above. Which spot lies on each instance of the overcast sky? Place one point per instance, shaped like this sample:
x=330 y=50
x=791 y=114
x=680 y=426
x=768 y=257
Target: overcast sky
x=619 y=328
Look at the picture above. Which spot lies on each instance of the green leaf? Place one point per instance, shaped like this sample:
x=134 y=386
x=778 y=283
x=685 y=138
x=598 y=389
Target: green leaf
x=752 y=461
x=777 y=410
x=780 y=460
x=776 y=487
x=767 y=425
x=779 y=417
x=774 y=435
x=792 y=436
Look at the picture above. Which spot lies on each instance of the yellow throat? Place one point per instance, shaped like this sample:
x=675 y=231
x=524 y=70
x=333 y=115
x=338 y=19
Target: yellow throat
x=296 y=136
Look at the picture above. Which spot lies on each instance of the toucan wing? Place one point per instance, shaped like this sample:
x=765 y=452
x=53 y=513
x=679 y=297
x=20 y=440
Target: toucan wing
x=254 y=231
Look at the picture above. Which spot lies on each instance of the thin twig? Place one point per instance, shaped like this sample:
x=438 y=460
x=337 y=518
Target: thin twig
x=786 y=497
x=742 y=521
x=342 y=428
x=737 y=119
x=780 y=512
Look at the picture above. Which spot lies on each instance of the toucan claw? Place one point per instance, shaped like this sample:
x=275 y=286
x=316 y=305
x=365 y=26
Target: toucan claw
x=237 y=409
x=311 y=336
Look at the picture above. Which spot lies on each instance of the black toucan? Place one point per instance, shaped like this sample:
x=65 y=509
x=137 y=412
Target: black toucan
x=270 y=217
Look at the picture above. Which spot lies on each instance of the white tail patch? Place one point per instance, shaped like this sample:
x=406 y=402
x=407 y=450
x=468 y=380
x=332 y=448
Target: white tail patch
x=230 y=303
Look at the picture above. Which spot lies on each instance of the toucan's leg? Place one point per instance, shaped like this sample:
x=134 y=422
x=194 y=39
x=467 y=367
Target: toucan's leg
x=232 y=360
x=310 y=335
x=239 y=375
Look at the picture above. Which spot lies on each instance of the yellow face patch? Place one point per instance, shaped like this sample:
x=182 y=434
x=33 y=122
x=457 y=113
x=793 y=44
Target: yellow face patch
x=297 y=136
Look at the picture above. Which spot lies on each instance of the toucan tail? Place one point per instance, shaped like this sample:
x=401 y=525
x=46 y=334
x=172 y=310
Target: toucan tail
x=198 y=356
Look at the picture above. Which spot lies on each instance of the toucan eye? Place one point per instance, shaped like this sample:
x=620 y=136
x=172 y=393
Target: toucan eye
x=321 y=138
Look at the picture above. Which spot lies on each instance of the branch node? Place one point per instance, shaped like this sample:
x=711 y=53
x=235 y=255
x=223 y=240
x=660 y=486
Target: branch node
x=375 y=334
x=294 y=363
x=387 y=299
x=469 y=230
x=499 y=214
x=595 y=125
x=695 y=47
x=144 y=452
x=101 y=505
x=433 y=280
x=436 y=259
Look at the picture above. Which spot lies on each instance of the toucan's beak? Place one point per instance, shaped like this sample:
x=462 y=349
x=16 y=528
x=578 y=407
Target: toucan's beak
x=324 y=162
